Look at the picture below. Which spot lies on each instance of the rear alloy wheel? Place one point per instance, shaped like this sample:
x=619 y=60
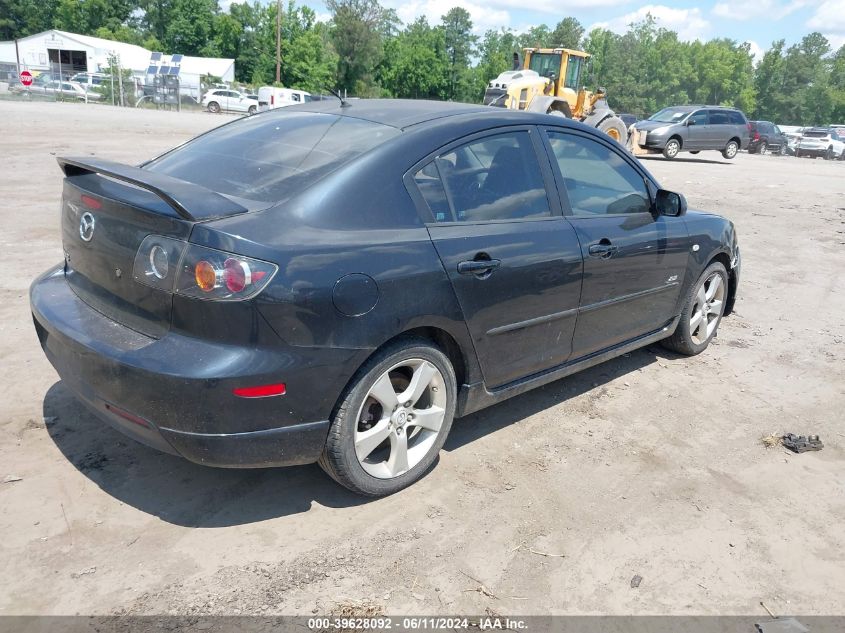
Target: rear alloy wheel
x=730 y=150
x=393 y=421
x=214 y=107
x=702 y=312
x=763 y=147
x=252 y=110
x=673 y=146
x=828 y=155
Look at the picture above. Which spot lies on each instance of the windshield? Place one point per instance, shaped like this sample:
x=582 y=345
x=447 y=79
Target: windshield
x=669 y=115
x=545 y=64
x=270 y=158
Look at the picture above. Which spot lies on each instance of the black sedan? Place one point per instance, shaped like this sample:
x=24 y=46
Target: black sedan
x=335 y=282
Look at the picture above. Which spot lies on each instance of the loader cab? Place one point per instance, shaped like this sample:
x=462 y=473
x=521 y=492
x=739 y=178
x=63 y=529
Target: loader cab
x=563 y=67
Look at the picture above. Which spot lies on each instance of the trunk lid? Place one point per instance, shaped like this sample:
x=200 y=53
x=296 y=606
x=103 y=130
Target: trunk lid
x=107 y=211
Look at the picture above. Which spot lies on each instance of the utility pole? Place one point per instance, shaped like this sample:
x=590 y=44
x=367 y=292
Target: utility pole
x=278 y=41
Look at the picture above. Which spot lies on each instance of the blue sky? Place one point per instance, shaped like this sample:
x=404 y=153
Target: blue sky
x=758 y=21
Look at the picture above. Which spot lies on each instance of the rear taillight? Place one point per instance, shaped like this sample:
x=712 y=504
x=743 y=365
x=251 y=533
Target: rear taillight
x=196 y=271
x=756 y=136
x=272 y=99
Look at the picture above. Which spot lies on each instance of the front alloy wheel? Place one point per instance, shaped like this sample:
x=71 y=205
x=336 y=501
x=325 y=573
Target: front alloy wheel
x=763 y=148
x=393 y=420
x=702 y=312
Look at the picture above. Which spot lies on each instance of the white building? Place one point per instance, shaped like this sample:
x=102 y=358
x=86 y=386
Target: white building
x=68 y=53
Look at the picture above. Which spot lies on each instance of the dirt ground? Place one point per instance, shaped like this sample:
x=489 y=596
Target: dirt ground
x=647 y=465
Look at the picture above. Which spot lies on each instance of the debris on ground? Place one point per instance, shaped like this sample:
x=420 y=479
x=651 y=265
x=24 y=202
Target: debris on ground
x=772 y=441
x=84 y=572
x=359 y=609
x=8 y=479
x=635 y=581
x=801 y=444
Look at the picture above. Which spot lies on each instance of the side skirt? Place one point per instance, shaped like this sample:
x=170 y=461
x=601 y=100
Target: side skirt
x=475 y=397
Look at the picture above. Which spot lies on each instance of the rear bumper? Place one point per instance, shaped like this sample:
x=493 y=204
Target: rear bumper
x=175 y=393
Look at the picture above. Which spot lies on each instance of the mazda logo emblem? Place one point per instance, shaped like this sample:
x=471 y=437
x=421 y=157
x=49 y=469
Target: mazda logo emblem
x=86 y=226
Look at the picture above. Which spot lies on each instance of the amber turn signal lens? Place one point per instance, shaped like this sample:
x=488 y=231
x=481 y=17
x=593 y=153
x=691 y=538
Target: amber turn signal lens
x=205 y=275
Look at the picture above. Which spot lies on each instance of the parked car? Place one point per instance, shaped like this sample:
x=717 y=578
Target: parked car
x=695 y=128
x=63 y=89
x=91 y=79
x=793 y=135
x=628 y=119
x=228 y=100
x=821 y=142
x=372 y=271
x=766 y=137
x=270 y=97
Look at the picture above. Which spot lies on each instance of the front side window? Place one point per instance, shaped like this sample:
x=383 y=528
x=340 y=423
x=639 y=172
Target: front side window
x=493 y=178
x=698 y=118
x=598 y=181
x=545 y=64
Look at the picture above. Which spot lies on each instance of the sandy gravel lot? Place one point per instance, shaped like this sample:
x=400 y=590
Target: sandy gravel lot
x=650 y=464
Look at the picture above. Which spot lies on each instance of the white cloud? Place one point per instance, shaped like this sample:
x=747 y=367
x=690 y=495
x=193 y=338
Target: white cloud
x=483 y=17
x=837 y=40
x=757 y=51
x=771 y=9
x=688 y=23
x=829 y=17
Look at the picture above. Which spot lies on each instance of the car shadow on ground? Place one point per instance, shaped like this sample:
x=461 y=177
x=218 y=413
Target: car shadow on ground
x=191 y=495
x=679 y=159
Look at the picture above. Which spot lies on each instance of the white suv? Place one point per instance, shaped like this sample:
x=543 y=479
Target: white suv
x=230 y=100
x=821 y=141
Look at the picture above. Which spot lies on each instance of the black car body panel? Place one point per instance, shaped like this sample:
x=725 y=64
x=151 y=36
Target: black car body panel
x=361 y=260
x=766 y=132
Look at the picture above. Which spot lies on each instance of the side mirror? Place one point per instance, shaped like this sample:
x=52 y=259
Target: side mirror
x=670 y=203
x=690 y=121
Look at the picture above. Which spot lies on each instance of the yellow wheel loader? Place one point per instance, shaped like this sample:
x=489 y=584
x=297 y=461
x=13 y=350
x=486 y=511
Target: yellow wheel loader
x=549 y=81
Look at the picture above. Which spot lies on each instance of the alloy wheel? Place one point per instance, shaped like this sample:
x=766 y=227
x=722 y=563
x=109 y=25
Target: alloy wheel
x=707 y=308
x=763 y=147
x=399 y=420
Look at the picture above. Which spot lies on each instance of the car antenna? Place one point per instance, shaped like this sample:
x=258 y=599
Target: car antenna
x=343 y=103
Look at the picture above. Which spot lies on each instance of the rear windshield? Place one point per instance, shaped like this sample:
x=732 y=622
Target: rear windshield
x=669 y=115
x=274 y=156
x=816 y=134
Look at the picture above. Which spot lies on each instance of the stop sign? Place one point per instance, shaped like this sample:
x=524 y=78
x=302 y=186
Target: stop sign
x=26 y=78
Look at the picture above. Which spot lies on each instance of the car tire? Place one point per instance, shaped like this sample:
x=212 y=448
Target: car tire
x=701 y=314
x=375 y=464
x=213 y=107
x=763 y=147
x=782 y=151
x=828 y=155
x=252 y=110
x=673 y=146
x=730 y=150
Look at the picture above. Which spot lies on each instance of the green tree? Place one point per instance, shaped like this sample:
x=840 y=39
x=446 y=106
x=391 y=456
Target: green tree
x=356 y=33
x=415 y=65
x=19 y=18
x=460 y=47
x=190 y=26
x=567 y=33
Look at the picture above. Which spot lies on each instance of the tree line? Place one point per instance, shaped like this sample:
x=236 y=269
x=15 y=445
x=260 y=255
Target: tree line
x=365 y=50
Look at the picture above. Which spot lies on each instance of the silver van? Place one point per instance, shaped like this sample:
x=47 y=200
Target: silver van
x=694 y=128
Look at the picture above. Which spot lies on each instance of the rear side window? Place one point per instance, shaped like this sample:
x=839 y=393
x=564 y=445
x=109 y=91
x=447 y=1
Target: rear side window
x=598 y=181
x=719 y=117
x=272 y=157
x=493 y=178
x=737 y=119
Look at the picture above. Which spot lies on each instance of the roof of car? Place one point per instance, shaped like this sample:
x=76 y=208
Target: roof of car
x=399 y=113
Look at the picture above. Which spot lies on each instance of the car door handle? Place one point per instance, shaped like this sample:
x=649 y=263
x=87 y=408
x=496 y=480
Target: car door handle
x=602 y=249
x=478 y=266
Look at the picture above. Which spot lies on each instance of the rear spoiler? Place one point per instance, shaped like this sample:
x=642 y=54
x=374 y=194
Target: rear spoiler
x=192 y=202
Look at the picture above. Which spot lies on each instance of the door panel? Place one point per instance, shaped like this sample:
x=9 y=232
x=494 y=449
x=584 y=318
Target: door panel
x=697 y=134
x=521 y=315
x=514 y=262
x=634 y=289
x=634 y=263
